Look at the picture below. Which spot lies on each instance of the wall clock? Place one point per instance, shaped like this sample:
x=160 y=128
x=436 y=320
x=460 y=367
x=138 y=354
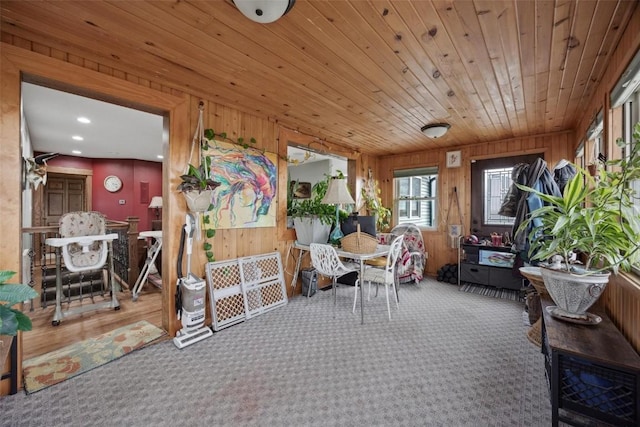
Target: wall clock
x=454 y=159
x=112 y=183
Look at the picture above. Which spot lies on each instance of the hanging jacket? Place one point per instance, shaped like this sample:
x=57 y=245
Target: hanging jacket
x=540 y=178
x=509 y=205
x=563 y=171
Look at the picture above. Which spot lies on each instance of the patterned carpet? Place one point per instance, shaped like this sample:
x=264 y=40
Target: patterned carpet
x=447 y=358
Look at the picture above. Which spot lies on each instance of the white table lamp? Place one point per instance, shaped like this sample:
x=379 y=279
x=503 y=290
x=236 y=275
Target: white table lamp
x=337 y=194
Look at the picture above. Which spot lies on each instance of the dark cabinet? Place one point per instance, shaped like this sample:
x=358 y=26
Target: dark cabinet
x=592 y=371
x=487 y=265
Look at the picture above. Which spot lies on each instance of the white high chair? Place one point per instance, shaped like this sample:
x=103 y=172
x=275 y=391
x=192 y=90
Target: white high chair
x=84 y=246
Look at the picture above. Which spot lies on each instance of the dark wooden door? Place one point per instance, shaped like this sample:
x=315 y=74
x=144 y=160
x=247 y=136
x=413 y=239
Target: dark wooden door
x=62 y=194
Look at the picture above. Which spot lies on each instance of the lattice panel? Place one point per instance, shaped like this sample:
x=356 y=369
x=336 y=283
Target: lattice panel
x=230 y=308
x=273 y=294
x=225 y=292
x=245 y=287
x=263 y=283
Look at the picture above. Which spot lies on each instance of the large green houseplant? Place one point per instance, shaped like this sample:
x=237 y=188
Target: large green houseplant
x=312 y=219
x=12 y=320
x=594 y=223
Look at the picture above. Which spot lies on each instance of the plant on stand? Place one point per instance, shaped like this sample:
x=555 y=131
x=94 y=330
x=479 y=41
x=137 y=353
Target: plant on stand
x=594 y=220
x=372 y=203
x=197 y=184
x=12 y=320
x=312 y=219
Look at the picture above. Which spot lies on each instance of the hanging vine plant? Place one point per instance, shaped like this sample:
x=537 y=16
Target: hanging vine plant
x=198 y=184
x=209 y=233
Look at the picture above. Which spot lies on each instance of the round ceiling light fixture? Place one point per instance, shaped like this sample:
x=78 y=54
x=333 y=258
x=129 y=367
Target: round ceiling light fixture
x=264 y=11
x=435 y=130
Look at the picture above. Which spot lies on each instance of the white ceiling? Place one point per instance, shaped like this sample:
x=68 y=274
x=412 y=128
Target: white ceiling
x=114 y=132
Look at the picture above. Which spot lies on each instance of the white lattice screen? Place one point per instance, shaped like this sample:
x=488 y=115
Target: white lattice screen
x=245 y=287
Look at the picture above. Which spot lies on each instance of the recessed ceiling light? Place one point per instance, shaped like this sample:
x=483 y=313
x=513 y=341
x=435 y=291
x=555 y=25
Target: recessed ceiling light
x=160 y=156
x=76 y=152
x=77 y=138
x=83 y=120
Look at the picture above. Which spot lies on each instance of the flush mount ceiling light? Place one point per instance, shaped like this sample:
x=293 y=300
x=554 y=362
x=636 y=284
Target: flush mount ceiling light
x=264 y=11
x=435 y=130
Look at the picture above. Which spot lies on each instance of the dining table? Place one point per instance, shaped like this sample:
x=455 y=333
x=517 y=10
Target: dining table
x=380 y=251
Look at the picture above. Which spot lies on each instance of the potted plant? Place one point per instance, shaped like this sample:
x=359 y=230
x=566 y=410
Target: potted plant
x=312 y=219
x=197 y=186
x=594 y=223
x=372 y=203
x=12 y=320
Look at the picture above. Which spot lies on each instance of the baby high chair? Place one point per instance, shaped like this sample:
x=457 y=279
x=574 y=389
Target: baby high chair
x=84 y=247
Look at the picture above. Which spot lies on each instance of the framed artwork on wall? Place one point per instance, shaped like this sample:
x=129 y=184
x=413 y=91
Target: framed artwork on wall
x=248 y=180
x=454 y=159
x=300 y=190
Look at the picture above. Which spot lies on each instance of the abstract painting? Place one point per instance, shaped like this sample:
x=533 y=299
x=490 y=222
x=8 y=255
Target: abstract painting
x=248 y=177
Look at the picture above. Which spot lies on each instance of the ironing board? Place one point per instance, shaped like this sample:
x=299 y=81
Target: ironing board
x=149 y=263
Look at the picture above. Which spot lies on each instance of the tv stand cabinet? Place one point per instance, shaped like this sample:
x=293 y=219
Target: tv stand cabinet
x=592 y=371
x=470 y=269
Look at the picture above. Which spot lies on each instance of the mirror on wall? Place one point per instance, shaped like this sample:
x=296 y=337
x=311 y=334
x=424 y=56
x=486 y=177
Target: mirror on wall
x=308 y=159
x=306 y=167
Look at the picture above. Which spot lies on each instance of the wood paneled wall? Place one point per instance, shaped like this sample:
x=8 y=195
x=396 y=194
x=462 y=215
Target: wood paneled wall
x=621 y=297
x=65 y=71
x=553 y=148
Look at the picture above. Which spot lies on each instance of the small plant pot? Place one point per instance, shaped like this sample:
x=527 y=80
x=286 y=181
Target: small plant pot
x=573 y=293
x=198 y=201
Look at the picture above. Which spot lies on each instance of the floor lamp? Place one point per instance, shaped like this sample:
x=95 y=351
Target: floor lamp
x=156 y=203
x=337 y=194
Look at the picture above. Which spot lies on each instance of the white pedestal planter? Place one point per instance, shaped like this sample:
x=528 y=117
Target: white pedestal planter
x=573 y=293
x=311 y=230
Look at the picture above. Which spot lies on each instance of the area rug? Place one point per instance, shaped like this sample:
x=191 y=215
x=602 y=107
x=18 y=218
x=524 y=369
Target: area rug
x=491 y=291
x=75 y=359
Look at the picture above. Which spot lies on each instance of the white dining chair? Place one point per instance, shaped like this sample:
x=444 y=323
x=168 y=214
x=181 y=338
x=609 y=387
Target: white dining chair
x=384 y=276
x=325 y=259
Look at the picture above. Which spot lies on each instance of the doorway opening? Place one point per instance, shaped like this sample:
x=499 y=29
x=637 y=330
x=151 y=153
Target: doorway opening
x=95 y=139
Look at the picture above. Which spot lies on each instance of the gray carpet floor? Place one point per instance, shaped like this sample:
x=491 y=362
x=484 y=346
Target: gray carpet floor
x=448 y=358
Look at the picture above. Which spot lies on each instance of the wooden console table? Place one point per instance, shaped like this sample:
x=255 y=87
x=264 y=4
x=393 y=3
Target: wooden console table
x=592 y=370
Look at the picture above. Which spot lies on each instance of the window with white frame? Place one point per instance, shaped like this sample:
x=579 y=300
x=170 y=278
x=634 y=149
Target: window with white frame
x=625 y=105
x=415 y=196
x=631 y=116
x=594 y=139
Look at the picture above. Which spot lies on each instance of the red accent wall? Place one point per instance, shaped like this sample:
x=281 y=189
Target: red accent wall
x=132 y=173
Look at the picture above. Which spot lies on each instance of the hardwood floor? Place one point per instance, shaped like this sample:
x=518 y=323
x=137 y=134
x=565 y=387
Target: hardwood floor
x=44 y=337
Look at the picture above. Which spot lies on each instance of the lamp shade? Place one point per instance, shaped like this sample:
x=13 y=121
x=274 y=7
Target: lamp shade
x=264 y=11
x=435 y=130
x=156 y=202
x=337 y=192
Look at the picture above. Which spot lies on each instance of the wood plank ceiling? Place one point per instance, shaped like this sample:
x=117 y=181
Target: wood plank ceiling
x=366 y=74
